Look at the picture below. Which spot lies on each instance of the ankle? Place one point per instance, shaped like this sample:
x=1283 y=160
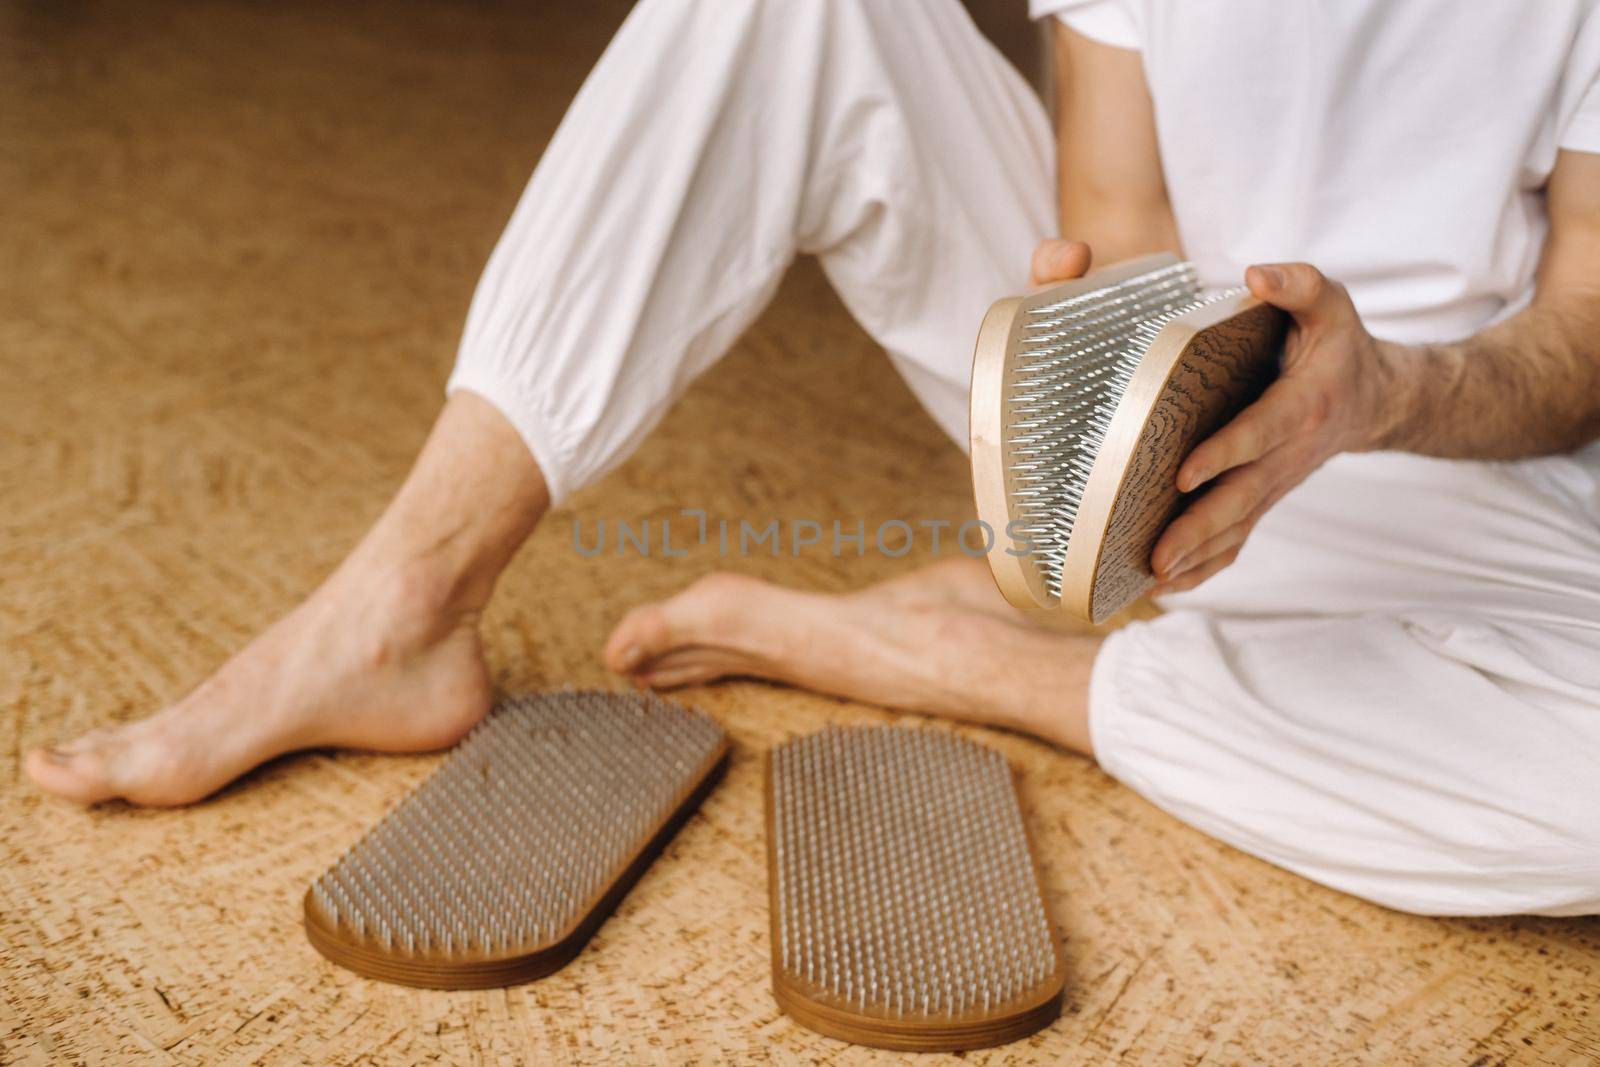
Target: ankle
x=414 y=601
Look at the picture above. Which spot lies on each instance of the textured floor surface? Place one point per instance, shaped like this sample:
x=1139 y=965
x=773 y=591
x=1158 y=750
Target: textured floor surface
x=236 y=245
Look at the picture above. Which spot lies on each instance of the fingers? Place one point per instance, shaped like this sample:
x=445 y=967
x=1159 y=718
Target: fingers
x=1270 y=446
x=1226 y=504
x=1189 y=579
x=1300 y=289
x=1058 y=260
x=1283 y=412
x=1221 y=519
x=1229 y=540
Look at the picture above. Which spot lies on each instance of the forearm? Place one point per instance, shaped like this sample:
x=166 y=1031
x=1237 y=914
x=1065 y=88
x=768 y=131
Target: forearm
x=1528 y=386
x=1113 y=195
x=1525 y=387
x=1113 y=227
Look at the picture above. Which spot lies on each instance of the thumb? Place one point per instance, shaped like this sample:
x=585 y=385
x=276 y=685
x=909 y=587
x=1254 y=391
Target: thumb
x=1059 y=260
x=1301 y=290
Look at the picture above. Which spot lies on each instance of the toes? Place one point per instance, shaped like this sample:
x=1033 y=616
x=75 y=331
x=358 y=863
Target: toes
x=86 y=742
x=642 y=635
x=673 y=677
x=712 y=610
x=691 y=666
x=705 y=614
x=76 y=771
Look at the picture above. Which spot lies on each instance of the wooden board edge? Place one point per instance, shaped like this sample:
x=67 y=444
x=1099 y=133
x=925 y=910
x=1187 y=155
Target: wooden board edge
x=1018 y=577
x=793 y=999
x=1114 y=460
x=495 y=972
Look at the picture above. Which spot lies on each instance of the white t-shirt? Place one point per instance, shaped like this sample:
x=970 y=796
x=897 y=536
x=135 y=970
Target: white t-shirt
x=1402 y=146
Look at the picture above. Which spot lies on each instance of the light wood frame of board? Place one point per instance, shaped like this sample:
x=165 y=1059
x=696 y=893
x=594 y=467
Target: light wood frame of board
x=1203 y=368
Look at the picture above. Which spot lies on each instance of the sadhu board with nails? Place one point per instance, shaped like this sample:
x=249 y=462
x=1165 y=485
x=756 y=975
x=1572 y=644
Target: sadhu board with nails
x=906 y=908
x=1086 y=398
x=499 y=867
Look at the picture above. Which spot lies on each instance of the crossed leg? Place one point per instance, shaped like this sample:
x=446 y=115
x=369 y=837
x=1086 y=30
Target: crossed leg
x=940 y=640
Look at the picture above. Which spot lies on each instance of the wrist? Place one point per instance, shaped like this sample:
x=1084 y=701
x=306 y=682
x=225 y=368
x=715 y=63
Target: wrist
x=1392 y=391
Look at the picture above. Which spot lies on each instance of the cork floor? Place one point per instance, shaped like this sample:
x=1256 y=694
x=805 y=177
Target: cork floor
x=237 y=247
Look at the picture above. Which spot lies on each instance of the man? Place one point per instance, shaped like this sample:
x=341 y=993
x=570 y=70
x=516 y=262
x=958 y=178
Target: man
x=1396 y=690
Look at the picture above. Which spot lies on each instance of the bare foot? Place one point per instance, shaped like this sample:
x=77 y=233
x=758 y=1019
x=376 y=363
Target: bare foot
x=380 y=666
x=385 y=655
x=940 y=640
x=954 y=583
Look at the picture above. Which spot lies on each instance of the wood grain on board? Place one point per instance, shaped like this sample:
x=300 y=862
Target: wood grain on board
x=1220 y=369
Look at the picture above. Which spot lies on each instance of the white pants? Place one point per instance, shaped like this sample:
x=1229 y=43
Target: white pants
x=1395 y=691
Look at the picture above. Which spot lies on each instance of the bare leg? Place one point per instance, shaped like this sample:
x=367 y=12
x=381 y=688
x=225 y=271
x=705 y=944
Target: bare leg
x=384 y=655
x=940 y=640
